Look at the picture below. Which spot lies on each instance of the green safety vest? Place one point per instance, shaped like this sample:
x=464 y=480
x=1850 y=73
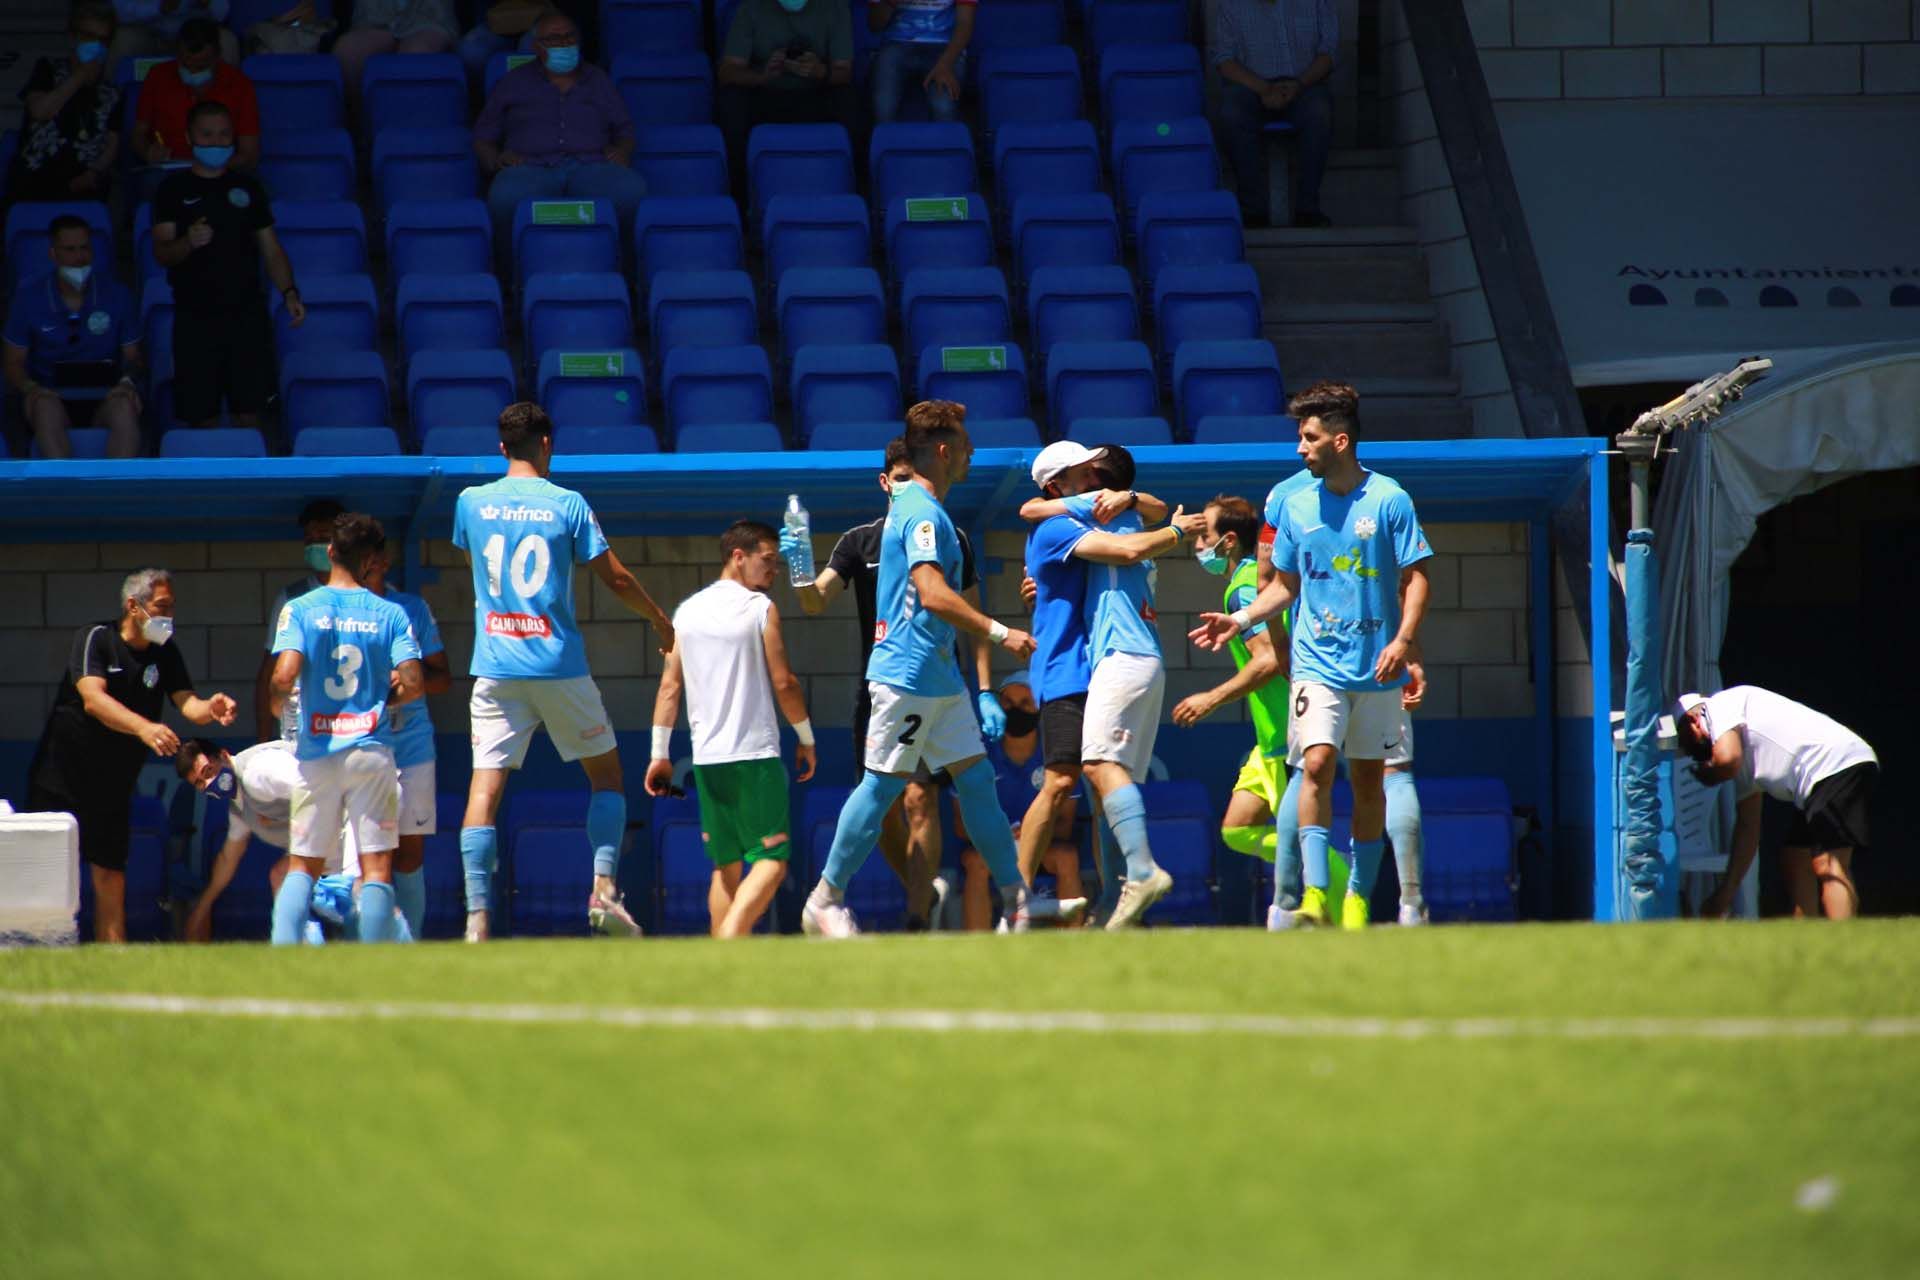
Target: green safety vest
x=1268 y=703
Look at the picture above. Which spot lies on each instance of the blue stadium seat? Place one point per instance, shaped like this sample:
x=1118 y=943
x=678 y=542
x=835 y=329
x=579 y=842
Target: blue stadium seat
x=1271 y=428
x=1064 y=231
x=1060 y=159
x=1187 y=229
x=27 y=224
x=1235 y=379
x=550 y=873
x=308 y=164
x=920 y=160
x=651 y=26
x=446 y=914
x=682 y=871
x=1080 y=304
x=1003 y=433
x=1012 y=24
x=438 y=237
x=332 y=389
x=1150 y=82
x=145 y=266
x=1180 y=827
x=343 y=314
x=156 y=315
x=1111 y=22
x=1208 y=304
x=955 y=307
x=459 y=389
x=423 y=164
x=829 y=305
x=413 y=91
x=448 y=313
x=1466 y=832
x=460 y=442
x=1039 y=84
x=1149 y=156
x=876 y=896
x=213 y=442
x=1100 y=380
x=701 y=309
x=815 y=231
x=990 y=380
x=844 y=384
x=564 y=235
x=346 y=442
x=498 y=64
x=592 y=389
x=682 y=159
x=731 y=437
x=574 y=311
x=703 y=385
x=322 y=237
x=581 y=439
x=853 y=437
x=926 y=235
x=665 y=88
x=812 y=159
x=686 y=233
x=1131 y=433
x=302 y=90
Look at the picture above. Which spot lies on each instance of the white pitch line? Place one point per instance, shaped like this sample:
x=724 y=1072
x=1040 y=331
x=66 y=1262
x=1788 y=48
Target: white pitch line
x=946 y=1021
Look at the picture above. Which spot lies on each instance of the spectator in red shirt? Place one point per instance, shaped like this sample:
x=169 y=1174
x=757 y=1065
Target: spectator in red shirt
x=196 y=75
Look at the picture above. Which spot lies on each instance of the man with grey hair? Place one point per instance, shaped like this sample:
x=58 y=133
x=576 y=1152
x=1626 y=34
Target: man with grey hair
x=105 y=721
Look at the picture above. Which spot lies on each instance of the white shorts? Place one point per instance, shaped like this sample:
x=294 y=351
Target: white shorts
x=419 y=799
x=355 y=793
x=1362 y=724
x=506 y=712
x=908 y=728
x=1123 y=711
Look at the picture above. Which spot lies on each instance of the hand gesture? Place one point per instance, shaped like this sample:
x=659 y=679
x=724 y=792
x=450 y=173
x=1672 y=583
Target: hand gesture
x=158 y=152
x=1214 y=631
x=1191 y=710
x=1392 y=661
x=993 y=721
x=1188 y=524
x=161 y=740
x=296 y=309
x=660 y=777
x=1415 y=689
x=663 y=628
x=809 y=65
x=1018 y=643
x=1279 y=95
x=1028 y=590
x=804 y=760
x=1109 y=503
x=223 y=708
x=943 y=78
x=776 y=64
x=199 y=234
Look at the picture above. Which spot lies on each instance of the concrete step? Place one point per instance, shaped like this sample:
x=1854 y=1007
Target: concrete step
x=1361 y=188
x=1414 y=418
x=1285 y=311
x=1346 y=350
x=1344 y=236
x=1310 y=275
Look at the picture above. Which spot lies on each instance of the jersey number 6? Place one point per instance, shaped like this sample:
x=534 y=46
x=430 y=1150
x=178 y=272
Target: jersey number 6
x=528 y=568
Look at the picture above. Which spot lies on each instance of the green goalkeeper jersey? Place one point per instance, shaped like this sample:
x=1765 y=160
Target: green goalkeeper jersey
x=1268 y=703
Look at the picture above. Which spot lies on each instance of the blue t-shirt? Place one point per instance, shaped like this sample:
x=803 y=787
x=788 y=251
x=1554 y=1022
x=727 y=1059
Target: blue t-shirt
x=409 y=728
x=1059 y=665
x=912 y=649
x=1017 y=784
x=349 y=642
x=1119 y=607
x=39 y=322
x=1348 y=551
x=523 y=536
x=921 y=21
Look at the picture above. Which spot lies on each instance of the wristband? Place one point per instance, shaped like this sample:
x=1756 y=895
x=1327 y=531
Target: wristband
x=997 y=631
x=803 y=730
x=1241 y=619
x=1179 y=535
x=663 y=742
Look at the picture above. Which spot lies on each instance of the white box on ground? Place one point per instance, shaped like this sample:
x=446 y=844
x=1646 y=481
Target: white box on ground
x=39 y=878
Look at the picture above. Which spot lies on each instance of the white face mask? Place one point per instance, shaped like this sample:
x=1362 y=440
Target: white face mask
x=77 y=277
x=156 y=629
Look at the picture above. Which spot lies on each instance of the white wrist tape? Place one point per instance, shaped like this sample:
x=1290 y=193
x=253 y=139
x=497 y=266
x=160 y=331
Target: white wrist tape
x=803 y=730
x=663 y=742
x=997 y=631
x=1241 y=619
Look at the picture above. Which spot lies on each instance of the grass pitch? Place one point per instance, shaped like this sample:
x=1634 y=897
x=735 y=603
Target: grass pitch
x=188 y=1144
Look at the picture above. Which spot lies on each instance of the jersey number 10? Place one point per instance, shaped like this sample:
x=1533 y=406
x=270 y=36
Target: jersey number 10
x=528 y=567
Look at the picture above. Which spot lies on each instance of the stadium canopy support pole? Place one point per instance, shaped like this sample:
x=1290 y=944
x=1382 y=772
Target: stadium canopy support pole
x=1600 y=663
x=1545 y=712
x=1649 y=882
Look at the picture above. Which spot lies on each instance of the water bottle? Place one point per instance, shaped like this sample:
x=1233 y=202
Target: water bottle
x=800 y=526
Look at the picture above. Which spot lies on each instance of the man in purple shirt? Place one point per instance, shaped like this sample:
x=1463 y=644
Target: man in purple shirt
x=556 y=129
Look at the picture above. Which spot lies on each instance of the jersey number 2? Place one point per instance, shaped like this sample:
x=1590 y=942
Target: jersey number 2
x=345 y=682
x=913 y=727
x=528 y=567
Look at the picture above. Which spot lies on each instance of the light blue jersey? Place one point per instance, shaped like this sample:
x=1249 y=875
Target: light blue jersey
x=1119 y=604
x=409 y=729
x=1279 y=494
x=1348 y=551
x=349 y=641
x=523 y=536
x=912 y=649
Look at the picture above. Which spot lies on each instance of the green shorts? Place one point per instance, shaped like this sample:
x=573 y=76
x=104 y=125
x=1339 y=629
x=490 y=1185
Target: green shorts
x=743 y=810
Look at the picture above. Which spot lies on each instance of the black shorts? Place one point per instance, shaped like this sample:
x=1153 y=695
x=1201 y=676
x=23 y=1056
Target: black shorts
x=1836 y=812
x=1060 y=722
x=862 y=711
x=106 y=824
x=222 y=355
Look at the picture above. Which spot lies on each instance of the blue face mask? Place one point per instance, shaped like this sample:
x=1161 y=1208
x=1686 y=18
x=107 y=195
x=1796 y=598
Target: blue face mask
x=563 y=59
x=195 y=79
x=213 y=157
x=90 y=51
x=793 y=6
x=1211 y=559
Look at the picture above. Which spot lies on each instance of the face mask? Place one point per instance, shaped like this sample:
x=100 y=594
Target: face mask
x=89 y=51
x=156 y=629
x=195 y=79
x=316 y=556
x=562 y=59
x=222 y=784
x=213 y=157
x=76 y=276
x=898 y=487
x=1020 y=723
x=793 y=6
x=1211 y=559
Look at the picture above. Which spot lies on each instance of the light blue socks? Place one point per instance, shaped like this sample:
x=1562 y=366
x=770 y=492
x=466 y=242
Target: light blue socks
x=376 y=912
x=410 y=894
x=1287 y=877
x=859 y=827
x=1106 y=856
x=1127 y=818
x=479 y=854
x=987 y=825
x=290 y=908
x=1366 y=866
x=1313 y=852
x=606 y=829
x=1403 y=828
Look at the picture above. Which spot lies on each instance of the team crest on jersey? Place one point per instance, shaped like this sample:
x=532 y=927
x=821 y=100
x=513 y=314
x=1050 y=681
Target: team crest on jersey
x=924 y=535
x=1039 y=776
x=150 y=677
x=1364 y=527
x=519 y=626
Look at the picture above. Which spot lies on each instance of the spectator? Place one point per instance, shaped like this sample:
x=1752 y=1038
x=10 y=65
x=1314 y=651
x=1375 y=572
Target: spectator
x=784 y=62
x=316 y=531
x=1017 y=774
x=392 y=26
x=72 y=344
x=150 y=28
x=212 y=230
x=556 y=128
x=71 y=133
x=1274 y=57
x=196 y=75
x=105 y=719
x=924 y=40
x=506 y=26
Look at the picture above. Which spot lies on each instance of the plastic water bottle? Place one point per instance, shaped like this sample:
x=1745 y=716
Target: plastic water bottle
x=800 y=525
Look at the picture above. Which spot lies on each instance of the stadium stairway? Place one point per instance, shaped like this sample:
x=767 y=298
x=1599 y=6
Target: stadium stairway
x=1351 y=302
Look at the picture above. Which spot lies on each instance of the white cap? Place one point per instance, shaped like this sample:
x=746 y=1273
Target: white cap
x=1688 y=701
x=1058 y=457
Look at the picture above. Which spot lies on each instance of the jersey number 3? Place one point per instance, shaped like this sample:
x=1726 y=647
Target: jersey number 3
x=345 y=681
x=528 y=568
